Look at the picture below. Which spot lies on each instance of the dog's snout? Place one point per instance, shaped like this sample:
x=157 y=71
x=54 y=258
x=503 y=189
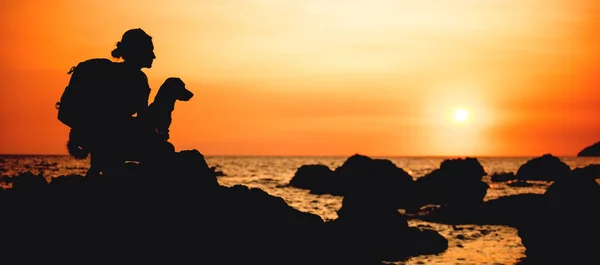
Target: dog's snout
x=189 y=95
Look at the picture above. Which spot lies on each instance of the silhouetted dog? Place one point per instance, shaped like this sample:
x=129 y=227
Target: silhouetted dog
x=158 y=115
x=160 y=110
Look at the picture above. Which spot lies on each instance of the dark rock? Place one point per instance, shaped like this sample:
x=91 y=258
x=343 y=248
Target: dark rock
x=368 y=225
x=175 y=211
x=519 y=183
x=457 y=182
x=319 y=179
x=378 y=179
x=29 y=182
x=503 y=177
x=563 y=231
x=218 y=173
x=359 y=174
x=507 y=210
x=592 y=150
x=557 y=227
x=546 y=167
x=592 y=170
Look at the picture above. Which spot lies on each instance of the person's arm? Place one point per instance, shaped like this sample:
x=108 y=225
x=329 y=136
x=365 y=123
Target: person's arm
x=142 y=105
x=141 y=102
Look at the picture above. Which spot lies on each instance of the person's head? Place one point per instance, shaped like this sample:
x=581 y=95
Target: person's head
x=135 y=48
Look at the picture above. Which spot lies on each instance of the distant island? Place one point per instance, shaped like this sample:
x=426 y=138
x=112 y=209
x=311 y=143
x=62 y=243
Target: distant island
x=592 y=150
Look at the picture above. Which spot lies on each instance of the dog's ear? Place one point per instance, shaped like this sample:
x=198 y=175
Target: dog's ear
x=183 y=93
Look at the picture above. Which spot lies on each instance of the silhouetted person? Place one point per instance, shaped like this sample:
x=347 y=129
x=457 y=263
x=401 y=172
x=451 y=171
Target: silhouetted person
x=125 y=128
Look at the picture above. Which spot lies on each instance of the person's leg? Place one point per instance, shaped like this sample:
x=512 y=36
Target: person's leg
x=158 y=157
x=146 y=146
x=108 y=159
x=108 y=150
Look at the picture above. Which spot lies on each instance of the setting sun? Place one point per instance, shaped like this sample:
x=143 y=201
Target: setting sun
x=461 y=115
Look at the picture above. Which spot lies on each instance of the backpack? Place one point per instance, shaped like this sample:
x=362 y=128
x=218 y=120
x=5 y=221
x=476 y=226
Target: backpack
x=81 y=99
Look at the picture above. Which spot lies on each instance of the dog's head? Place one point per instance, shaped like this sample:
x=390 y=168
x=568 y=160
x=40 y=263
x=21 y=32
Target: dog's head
x=174 y=88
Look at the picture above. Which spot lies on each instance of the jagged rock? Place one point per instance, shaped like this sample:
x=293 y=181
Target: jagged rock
x=555 y=227
x=592 y=170
x=563 y=230
x=369 y=221
x=359 y=173
x=592 y=150
x=174 y=212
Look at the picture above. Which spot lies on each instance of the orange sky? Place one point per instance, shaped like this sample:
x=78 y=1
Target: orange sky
x=317 y=77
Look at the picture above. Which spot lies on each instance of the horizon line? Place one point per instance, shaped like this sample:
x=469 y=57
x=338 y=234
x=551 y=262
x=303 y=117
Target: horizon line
x=316 y=155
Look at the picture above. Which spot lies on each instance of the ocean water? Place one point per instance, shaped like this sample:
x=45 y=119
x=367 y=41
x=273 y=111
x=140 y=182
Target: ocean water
x=468 y=244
